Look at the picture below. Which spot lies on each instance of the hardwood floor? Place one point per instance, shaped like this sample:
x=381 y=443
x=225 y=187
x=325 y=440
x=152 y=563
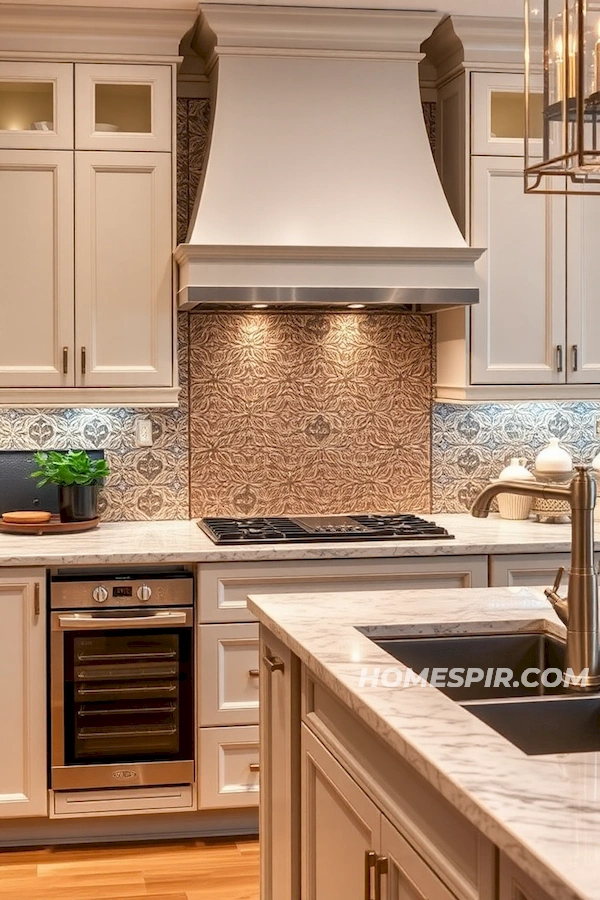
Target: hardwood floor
x=208 y=869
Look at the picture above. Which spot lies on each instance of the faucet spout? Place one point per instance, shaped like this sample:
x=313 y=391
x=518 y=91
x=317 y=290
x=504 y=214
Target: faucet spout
x=579 y=611
x=481 y=504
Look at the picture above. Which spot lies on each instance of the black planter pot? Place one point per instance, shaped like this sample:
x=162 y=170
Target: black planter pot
x=78 y=502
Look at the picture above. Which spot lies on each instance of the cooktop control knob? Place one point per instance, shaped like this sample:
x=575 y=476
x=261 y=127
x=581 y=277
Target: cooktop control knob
x=144 y=593
x=100 y=594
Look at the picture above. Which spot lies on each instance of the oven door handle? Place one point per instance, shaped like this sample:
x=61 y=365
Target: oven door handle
x=162 y=619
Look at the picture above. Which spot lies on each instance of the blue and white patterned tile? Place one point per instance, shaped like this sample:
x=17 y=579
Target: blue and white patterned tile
x=472 y=443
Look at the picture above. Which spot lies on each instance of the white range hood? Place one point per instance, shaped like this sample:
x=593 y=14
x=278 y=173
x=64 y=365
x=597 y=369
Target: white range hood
x=320 y=187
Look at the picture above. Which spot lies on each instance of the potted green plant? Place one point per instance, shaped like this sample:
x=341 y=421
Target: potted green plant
x=78 y=477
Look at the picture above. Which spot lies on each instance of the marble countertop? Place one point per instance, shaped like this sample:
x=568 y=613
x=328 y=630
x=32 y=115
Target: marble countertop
x=544 y=811
x=182 y=541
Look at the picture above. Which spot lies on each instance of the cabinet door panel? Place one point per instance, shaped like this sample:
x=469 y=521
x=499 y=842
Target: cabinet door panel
x=408 y=876
x=23 y=706
x=280 y=776
x=583 y=274
x=123 y=107
x=520 y=319
x=123 y=283
x=339 y=826
x=498 y=113
x=36 y=105
x=36 y=267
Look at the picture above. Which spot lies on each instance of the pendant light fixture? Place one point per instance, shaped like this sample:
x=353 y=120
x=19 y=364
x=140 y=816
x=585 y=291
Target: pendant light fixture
x=562 y=46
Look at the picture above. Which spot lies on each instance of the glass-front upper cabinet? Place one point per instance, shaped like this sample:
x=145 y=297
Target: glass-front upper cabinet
x=498 y=114
x=36 y=105
x=123 y=107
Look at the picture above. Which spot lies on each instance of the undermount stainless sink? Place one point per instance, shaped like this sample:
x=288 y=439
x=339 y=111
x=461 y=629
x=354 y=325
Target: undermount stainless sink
x=514 y=652
x=549 y=725
x=539 y=720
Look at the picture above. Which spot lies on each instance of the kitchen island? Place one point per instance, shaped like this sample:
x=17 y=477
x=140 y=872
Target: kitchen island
x=405 y=773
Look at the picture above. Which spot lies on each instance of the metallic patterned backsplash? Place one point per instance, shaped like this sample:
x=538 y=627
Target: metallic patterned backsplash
x=306 y=413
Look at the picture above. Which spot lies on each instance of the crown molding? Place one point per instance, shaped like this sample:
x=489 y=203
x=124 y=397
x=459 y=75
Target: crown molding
x=476 y=43
x=226 y=29
x=111 y=29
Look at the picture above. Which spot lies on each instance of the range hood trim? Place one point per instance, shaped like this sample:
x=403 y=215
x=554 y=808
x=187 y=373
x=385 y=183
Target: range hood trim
x=382 y=299
x=289 y=253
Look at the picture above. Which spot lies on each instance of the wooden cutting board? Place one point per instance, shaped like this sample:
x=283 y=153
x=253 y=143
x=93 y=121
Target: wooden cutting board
x=54 y=526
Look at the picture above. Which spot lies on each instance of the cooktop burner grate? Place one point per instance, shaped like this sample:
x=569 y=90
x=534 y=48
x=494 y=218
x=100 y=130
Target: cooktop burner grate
x=283 y=529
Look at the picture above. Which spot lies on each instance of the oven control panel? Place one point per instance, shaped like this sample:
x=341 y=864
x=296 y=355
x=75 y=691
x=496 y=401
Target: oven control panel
x=122 y=592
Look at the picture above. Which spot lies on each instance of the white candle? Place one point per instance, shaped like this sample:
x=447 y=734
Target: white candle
x=559 y=70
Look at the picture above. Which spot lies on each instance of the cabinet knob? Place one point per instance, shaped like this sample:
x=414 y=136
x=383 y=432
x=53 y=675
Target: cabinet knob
x=254 y=767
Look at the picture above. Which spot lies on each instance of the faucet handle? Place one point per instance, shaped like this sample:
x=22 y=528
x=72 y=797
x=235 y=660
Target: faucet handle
x=558 y=579
x=561 y=606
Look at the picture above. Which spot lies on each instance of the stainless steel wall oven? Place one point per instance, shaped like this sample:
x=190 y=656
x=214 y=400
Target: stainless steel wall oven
x=121 y=680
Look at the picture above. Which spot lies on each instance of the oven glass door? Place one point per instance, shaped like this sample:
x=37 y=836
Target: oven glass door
x=128 y=696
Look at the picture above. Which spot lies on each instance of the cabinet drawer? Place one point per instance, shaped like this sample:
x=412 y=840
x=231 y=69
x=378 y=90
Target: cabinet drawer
x=67 y=804
x=528 y=570
x=228 y=767
x=228 y=674
x=223 y=589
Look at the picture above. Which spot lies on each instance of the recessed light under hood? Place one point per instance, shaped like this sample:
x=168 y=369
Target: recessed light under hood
x=320 y=188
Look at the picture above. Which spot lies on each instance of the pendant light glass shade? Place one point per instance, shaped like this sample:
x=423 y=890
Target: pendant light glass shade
x=562 y=44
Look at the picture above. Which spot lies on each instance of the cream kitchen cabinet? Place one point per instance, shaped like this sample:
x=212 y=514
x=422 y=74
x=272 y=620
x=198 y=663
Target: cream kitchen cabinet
x=23 y=758
x=350 y=850
x=515 y=884
x=535 y=332
x=228 y=658
x=280 y=770
x=87 y=234
x=123 y=275
x=519 y=324
x=36 y=268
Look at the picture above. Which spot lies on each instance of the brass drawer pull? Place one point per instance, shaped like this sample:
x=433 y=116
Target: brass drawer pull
x=254 y=767
x=382 y=868
x=370 y=863
x=575 y=359
x=253 y=673
x=83 y=360
x=559 y=358
x=273 y=663
x=65 y=360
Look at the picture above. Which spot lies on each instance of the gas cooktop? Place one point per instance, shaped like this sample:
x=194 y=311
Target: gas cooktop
x=284 y=530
